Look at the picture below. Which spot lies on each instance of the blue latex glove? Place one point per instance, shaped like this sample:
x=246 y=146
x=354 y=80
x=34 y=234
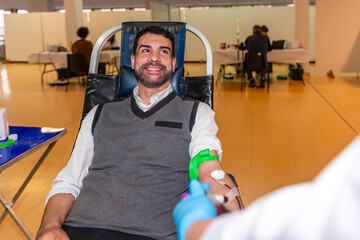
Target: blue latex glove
x=193 y=208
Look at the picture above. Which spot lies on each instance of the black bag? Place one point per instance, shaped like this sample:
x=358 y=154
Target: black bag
x=296 y=72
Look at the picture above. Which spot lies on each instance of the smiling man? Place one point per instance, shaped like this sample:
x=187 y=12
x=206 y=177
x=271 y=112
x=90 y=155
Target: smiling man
x=128 y=171
x=153 y=64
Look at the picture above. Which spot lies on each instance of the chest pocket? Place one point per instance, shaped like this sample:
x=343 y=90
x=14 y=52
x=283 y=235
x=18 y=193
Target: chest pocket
x=169 y=124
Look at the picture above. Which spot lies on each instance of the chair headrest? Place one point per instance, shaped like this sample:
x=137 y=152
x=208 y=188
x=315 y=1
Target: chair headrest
x=177 y=81
x=128 y=81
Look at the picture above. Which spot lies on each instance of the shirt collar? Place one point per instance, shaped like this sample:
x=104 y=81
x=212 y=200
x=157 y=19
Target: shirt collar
x=153 y=100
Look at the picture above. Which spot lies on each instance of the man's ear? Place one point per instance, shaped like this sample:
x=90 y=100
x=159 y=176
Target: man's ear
x=132 y=61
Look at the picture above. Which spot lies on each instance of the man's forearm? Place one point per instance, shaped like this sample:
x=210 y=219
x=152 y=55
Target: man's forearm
x=223 y=190
x=205 y=170
x=57 y=209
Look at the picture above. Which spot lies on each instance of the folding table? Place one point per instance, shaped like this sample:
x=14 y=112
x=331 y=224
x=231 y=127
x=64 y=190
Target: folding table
x=230 y=56
x=30 y=139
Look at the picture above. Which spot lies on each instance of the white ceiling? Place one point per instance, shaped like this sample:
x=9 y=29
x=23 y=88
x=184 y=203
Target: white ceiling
x=97 y=4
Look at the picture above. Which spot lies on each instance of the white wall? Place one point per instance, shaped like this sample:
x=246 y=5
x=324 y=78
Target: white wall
x=221 y=25
x=279 y=20
x=337 y=36
x=29 y=33
x=23 y=35
x=53 y=28
x=174 y=13
x=218 y=25
x=101 y=21
x=159 y=11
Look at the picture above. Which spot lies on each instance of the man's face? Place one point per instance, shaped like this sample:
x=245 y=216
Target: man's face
x=153 y=63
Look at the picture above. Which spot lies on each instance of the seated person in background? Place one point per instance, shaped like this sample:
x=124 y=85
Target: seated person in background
x=125 y=177
x=265 y=31
x=111 y=44
x=83 y=46
x=257 y=42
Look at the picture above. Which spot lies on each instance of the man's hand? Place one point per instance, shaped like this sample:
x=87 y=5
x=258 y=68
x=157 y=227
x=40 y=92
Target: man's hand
x=52 y=233
x=193 y=208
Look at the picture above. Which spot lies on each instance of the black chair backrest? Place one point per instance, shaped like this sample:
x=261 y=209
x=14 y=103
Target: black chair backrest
x=254 y=61
x=77 y=64
x=105 y=88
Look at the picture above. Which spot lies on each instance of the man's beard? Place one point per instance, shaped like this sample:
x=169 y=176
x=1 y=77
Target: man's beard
x=147 y=81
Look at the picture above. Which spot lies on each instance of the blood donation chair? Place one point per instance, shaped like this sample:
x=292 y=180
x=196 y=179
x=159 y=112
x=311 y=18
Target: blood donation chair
x=103 y=88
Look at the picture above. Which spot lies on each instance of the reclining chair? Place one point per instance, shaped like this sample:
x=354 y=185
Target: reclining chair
x=104 y=88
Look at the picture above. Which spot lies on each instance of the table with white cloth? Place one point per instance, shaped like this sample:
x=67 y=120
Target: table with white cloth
x=287 y=56
x=58 y=60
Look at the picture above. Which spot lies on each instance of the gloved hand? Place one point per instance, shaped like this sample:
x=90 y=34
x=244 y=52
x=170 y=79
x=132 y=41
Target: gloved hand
x=193 y=208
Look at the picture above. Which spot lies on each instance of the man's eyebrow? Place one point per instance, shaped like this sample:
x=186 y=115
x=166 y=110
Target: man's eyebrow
x=145 y=46
x=148 y=46
x=164 y=47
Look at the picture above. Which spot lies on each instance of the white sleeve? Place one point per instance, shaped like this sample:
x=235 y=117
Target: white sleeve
x=326 y=208
x=69 y=179
x=204 y=132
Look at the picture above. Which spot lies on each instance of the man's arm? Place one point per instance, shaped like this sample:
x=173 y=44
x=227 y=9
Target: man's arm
x=56 y=211
x=204 y=136
x=66 y=186
x=204 y=172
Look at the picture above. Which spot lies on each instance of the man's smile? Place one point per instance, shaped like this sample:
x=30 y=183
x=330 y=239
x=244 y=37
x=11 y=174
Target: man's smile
x=153 y=68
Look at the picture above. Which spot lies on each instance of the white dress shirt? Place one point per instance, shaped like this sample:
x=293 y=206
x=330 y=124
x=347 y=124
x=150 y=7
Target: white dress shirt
x=69 y=180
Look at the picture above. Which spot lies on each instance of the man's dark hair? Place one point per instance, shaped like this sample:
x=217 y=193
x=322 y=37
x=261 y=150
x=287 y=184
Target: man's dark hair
x=83 y=32
x=157 y=31
x=257 y=28
x=264 y=28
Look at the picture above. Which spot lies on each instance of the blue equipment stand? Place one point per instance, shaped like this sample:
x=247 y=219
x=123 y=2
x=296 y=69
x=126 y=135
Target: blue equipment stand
x=30 y=139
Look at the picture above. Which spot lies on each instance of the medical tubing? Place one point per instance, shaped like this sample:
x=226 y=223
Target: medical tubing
x=241 y=206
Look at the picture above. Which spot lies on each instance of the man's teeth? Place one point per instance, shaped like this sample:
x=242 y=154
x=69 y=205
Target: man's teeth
x=153 y=68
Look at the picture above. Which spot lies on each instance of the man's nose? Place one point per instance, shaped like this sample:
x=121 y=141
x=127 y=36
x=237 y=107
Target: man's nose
x=154 y=57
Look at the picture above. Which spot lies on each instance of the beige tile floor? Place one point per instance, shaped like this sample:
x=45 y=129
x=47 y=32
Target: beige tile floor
x=270 y=140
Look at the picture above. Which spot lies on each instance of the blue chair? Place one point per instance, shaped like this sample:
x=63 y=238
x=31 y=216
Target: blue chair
x=103 y=88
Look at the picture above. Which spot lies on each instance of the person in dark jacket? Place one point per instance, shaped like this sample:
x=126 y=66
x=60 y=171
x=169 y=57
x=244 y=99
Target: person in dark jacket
x=257 y=42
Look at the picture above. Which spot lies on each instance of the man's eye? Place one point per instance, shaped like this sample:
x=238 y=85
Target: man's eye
x=164 y=51
x=145 y=50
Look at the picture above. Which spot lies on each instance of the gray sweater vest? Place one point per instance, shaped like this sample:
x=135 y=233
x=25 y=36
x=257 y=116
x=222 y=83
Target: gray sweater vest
x=139 y=170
